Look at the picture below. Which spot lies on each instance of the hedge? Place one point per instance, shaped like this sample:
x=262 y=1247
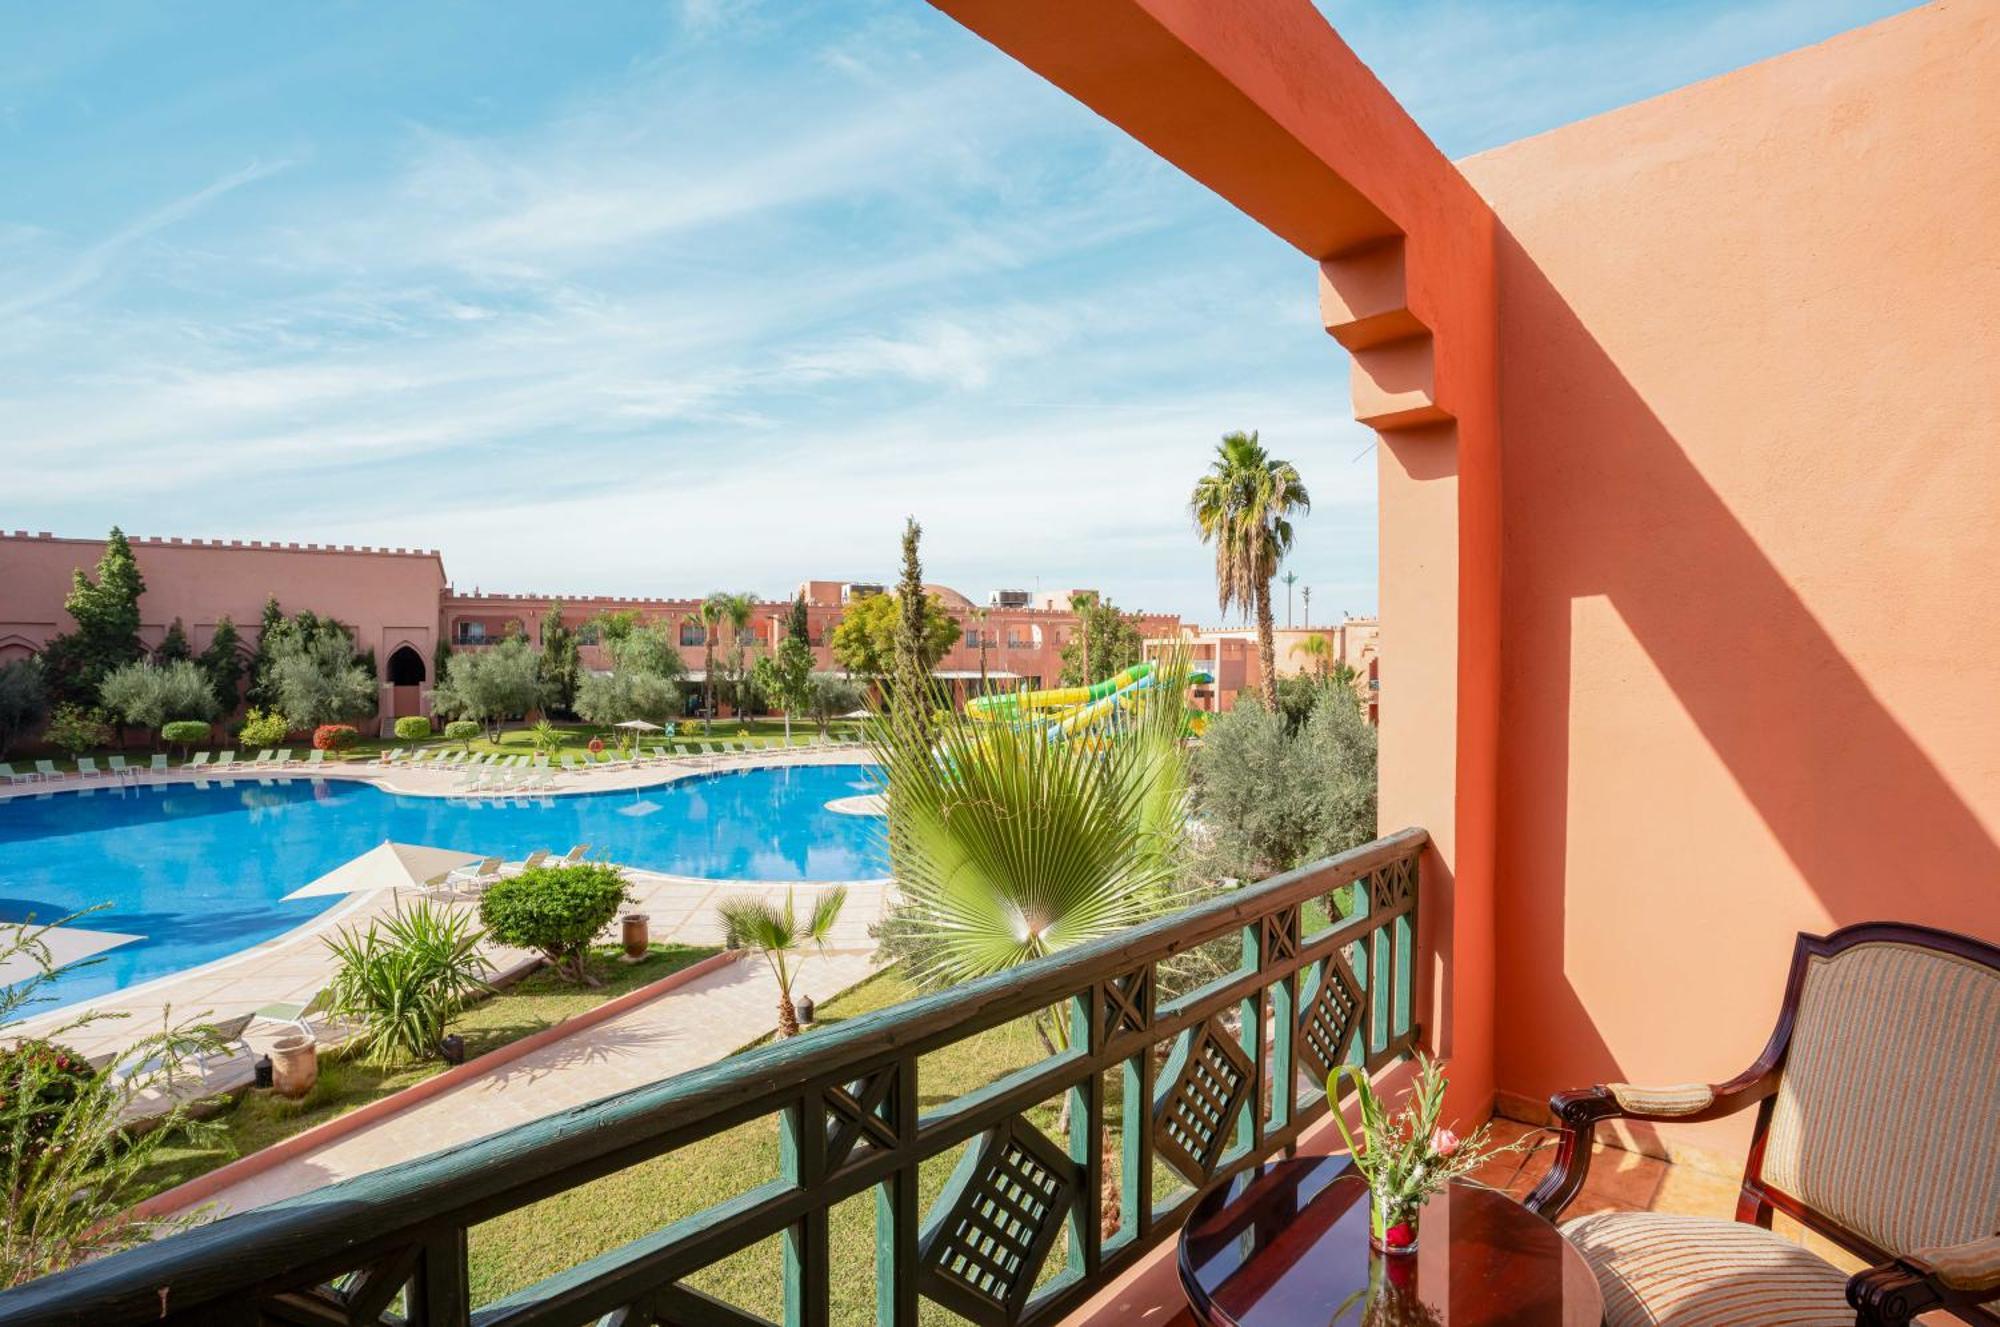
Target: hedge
x=556 y=909
x=185 y=732
x=414 y=728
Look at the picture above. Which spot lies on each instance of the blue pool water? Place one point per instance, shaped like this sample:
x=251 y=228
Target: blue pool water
x=201 y=872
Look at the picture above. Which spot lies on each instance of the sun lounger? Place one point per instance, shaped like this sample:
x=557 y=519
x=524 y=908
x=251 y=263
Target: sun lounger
x=225 y=760
x=298 y=1015
x=117 y=766
x=535 y=858
x=46 y=769
x=317 y=757
x=569 y=763
x=8 y=773
x=284 y=755
x=575 y=855
x=266 y=757
x=86 y=768
x=201 y=758
x=453 y=758
x=477 y=877
x=157 y=766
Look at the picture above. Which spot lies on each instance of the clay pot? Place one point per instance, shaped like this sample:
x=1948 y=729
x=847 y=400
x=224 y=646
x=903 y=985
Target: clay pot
x=638 y=936
x=294 y=1065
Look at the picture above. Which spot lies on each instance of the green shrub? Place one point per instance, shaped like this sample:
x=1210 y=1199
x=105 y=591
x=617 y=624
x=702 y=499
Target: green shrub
x=75 y=729
x=557 y=910
x=38 y=1081
x=414 y=728
x=405 y=978
x=185 y=733
x=462 y=730
x=263 y=728
x=335 y=736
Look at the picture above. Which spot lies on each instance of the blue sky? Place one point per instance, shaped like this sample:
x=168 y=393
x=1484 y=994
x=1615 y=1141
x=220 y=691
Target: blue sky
x=657 y=298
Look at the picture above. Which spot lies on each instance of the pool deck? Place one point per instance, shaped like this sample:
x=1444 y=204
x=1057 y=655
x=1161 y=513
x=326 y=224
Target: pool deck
x=292 y=967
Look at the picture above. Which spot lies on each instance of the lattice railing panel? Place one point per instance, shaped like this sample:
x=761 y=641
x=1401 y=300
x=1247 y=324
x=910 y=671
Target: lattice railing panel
x=391 y=1247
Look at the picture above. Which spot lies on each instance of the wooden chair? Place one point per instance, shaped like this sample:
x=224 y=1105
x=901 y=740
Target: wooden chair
x=1878 y=1127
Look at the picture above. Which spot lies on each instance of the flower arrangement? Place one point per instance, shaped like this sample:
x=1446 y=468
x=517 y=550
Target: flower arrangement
x=1409 y=1156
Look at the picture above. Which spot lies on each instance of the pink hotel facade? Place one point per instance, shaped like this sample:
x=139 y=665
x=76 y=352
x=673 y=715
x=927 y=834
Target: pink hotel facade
x=401 y=604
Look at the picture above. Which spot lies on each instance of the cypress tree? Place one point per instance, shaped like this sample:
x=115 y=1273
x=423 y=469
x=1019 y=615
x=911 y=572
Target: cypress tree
x=174 y=645
x=222 y=665
x=106 y=611
x=910 y=678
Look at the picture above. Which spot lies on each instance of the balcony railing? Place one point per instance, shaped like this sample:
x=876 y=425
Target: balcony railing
x=1209 y=1083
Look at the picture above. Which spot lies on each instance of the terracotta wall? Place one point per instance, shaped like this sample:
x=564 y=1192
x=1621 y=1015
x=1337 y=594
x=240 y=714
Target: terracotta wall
x=390 y=597
x=1750 y=368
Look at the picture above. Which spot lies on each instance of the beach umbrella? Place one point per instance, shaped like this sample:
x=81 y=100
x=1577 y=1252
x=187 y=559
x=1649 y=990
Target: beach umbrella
x=387 y=866
x=640 y=726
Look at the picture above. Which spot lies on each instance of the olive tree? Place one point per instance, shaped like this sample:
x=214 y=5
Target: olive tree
x=151 y=696
x=490 y=685
x=316 y=681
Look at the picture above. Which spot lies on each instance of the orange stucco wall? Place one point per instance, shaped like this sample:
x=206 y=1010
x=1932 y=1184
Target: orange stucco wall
x=1750 y=390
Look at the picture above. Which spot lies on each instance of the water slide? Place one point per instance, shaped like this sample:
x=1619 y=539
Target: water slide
x=1067 y=711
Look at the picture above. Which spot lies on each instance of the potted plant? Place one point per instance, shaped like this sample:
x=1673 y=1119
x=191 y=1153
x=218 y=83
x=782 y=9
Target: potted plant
x=1409 y=1156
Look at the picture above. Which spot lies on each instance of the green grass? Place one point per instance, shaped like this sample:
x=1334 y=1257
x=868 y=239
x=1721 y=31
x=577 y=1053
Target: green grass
x=520 y=1248
x=538 y=1001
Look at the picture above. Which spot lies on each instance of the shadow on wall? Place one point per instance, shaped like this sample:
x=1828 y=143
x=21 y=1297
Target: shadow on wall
x=1873 y=827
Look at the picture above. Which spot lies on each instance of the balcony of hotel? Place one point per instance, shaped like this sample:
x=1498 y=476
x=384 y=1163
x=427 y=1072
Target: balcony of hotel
x=1686 y=422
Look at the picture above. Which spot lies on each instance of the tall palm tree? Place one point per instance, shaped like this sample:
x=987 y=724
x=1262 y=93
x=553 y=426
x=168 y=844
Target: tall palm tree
x=980 y=616
x=1079 y=604
x=778 y=934
x=1244 y=506
x=707 y=615
x=732 y=611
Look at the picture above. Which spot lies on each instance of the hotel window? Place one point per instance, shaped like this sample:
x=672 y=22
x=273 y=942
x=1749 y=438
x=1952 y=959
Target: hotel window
x=692 y=634
x=471 y=633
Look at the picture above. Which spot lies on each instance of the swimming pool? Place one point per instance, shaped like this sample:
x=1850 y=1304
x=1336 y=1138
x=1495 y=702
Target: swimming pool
x=197 y=873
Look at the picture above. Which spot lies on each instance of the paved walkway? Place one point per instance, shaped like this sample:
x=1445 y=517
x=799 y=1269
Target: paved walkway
x=684 y=1029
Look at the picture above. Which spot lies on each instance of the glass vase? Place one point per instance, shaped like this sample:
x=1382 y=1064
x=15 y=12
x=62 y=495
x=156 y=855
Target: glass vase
x=1392 y=1224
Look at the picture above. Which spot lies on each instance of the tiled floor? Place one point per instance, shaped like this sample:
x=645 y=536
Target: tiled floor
x=1626 y=1181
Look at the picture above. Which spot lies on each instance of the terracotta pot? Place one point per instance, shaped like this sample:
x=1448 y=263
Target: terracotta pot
x=638 y=935
x=294 y=1065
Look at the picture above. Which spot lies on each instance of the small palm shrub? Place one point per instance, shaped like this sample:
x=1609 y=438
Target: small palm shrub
x=404 y=979
x=779 y=934
x=546 y=737
x=413 y=728
x=263 y=728
x=462 y=731
x=335 y=736
x=185 y=733
x=557 y=910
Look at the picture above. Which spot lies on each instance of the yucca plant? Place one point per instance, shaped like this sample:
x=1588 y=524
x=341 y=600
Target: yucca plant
x=1010 y=842
x=779 y=934
x=403 y=980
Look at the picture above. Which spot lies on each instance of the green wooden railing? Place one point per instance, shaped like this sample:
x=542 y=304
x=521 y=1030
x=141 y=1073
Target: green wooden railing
x=1211 y=1082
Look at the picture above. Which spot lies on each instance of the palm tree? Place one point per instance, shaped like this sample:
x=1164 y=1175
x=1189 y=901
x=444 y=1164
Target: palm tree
x=1244 y=506
x=715 y=611
x=980 y=616
x=1079 y=604
x=1318 y=649
x=734 y=613
x=778 y=935
x=1008 y=846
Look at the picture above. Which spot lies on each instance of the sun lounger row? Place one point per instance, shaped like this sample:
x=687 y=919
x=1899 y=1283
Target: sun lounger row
x=477 y=879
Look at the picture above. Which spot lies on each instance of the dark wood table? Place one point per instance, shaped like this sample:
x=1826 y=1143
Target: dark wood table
x=1286 y=1245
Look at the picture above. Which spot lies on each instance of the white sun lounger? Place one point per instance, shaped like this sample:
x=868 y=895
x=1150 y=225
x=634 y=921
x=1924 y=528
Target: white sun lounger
x=201 y=758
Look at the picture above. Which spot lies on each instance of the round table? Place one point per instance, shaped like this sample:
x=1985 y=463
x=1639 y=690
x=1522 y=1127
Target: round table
x=1286 y=1245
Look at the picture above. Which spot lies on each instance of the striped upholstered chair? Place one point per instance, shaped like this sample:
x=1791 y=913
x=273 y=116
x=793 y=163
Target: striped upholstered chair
x=1878 y=1126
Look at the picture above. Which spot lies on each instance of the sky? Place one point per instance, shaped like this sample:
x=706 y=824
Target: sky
x=670 y=297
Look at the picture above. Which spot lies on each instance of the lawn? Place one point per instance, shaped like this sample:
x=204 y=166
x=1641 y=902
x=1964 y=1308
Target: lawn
x=513 y=1251
x=538 y=1001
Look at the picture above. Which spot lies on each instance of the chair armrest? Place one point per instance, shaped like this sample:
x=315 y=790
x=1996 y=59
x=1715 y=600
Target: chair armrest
x=1577 y=1115
x=1952 y=1277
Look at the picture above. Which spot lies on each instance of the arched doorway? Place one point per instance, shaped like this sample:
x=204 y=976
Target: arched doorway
x=406 y=668
x=406 y=676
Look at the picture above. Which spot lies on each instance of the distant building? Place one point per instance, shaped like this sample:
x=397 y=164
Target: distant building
x=1230 y=655
x=401 y=605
